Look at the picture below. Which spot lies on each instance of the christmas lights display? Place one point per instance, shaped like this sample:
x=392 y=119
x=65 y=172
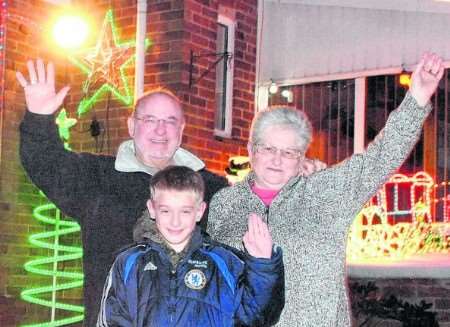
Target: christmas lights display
x=238 y=168
x=376 y=234
x=53 y=266
x=64 y=124
x=442 y=199
x=3 y=16
x=105 y=66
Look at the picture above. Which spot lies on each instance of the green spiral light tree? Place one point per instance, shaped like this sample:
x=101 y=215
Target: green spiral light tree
x=51 y=266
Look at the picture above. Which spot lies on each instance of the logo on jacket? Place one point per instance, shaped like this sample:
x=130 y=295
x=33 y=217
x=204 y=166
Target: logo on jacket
x=195 y=279
x=150 y=266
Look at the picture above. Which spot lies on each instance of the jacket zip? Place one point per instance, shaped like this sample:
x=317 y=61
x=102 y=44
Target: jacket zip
x=266 y=212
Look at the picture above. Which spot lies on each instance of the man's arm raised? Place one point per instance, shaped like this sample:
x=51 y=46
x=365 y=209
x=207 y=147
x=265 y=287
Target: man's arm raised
x=40 y=94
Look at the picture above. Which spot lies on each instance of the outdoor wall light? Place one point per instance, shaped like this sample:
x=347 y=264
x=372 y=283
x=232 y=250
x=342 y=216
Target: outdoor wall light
x=273 y=88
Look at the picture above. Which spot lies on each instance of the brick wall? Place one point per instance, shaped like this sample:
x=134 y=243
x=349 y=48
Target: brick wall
x=175 y=27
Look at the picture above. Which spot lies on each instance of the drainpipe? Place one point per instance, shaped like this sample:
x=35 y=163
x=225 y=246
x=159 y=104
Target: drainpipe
x=141 y=28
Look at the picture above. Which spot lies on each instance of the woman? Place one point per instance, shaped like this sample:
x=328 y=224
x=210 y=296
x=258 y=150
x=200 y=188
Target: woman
x=309 y=216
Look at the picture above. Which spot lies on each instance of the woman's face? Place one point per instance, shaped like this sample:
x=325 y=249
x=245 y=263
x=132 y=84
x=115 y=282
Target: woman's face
x=272 y=160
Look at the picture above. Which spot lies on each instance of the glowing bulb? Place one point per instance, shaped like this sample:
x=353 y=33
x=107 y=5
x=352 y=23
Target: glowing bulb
x=405 y=79
x=288 y=95
x=273 y=88
x=70 y=31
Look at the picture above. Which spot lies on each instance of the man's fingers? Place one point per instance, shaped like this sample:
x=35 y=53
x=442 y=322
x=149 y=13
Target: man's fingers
x=59 y=98
x=22 y=81
x=31 y=72
x=51 y=74
x=40 y=71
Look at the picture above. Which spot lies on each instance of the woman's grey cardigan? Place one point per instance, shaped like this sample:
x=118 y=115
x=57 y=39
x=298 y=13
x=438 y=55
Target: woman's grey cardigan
x=310 y=218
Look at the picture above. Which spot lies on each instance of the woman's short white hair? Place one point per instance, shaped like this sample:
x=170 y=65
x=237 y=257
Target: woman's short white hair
x=281 y=115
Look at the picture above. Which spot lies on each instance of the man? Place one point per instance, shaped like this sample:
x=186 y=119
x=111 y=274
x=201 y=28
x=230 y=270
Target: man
x=105 y=194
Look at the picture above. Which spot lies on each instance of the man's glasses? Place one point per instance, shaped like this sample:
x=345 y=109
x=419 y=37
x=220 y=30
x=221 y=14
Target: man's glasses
x=152 y=121
x=271 y=150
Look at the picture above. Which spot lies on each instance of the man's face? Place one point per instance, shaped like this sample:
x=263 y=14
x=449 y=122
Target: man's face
x=157 y=129
x=176 y=213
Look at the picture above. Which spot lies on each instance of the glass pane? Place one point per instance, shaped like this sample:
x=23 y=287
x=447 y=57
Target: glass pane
x=384 y=94
x=221 y=77
x=431 y=154
x=330 y=107
x=439 y=147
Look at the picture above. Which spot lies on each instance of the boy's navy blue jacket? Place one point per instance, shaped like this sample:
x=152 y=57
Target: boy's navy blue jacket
x=211 y=286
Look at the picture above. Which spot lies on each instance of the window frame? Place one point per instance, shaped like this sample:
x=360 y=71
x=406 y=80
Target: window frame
x=228 y=110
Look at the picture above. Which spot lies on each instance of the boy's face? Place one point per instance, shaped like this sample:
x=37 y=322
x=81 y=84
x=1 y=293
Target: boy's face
x=176 y=213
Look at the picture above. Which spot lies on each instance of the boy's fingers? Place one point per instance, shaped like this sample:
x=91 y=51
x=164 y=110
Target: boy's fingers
x=251 y=224
x=248 y=240
x=259 y=224
x=264 y=228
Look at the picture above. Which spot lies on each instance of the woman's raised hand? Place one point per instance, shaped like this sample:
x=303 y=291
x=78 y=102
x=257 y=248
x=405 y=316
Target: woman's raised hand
x=425 y=78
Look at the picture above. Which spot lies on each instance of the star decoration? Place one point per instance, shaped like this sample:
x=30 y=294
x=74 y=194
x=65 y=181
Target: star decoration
x=64 y=124
x=104 y=66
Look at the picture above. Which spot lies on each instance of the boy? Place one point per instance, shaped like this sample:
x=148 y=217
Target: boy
x=180 y=277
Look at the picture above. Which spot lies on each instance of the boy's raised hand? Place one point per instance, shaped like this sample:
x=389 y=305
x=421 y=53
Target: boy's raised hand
x=40 y=93
x=257 y=239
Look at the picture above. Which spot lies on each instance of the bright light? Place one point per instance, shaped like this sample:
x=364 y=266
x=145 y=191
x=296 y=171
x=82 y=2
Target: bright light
x=273 y=88
x=70 y=32
x=288 y=95
x=405 y=79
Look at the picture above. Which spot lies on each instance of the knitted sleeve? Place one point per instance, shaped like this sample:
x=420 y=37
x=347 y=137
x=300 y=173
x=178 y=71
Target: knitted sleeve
x=67 y=178
x=356 y=179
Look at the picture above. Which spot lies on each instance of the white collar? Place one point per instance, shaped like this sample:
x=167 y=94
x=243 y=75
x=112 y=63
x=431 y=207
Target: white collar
x=127 y=162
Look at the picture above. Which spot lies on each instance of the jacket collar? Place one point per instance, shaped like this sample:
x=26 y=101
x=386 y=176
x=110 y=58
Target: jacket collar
x=157 y=241
x=127 y=162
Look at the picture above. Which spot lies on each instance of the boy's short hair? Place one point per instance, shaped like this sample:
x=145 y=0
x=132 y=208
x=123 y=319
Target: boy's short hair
x=178 y=178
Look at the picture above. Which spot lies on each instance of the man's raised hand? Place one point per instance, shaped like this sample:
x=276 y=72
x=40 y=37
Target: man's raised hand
x=39 y=91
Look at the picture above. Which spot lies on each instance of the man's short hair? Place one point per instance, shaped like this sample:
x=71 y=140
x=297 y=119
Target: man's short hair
x=155 y=92
x=178 y=178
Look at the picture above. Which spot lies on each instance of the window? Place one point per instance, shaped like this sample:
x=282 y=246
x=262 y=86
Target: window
x=224 y=77
x=330 y=108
